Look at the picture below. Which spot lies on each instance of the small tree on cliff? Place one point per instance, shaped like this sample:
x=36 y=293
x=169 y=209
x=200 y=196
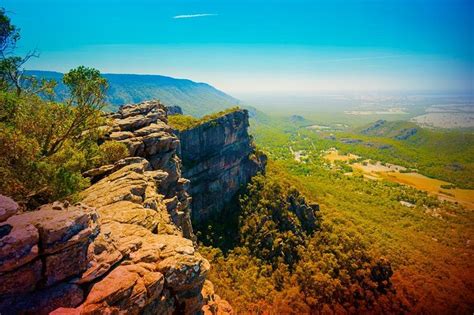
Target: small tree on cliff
x=87 y=97
x=47 y=145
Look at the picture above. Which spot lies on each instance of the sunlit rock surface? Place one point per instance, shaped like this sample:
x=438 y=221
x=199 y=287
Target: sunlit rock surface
x=126 y=248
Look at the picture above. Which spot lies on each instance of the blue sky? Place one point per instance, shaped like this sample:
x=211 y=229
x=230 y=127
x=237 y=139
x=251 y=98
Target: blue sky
x=260 y=46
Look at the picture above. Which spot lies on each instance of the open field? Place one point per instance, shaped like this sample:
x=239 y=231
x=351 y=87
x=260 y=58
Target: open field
x=464 y=197
x=391 y=172
x=333 y=155
x=446 y=120
x=447 y=116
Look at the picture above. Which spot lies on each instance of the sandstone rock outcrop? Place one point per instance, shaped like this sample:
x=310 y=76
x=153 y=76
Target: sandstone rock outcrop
x=143 y=129
x=129 y=251
x=219 y=159
x=8 y=207
x=214 y=305
x=40 y=252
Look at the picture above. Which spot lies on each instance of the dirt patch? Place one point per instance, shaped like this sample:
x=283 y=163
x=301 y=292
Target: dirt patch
x=333 y=155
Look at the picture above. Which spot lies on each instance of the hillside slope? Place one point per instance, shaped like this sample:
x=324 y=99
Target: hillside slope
x=456 y=145
x=194 y=98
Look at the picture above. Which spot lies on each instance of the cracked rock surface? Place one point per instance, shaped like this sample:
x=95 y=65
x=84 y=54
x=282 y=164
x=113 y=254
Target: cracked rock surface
x=127 y=248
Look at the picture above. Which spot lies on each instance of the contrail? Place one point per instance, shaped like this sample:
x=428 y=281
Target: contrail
x=190 y=16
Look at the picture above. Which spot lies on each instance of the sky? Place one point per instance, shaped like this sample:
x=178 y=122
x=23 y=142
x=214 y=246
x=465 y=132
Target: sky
x=256 y=46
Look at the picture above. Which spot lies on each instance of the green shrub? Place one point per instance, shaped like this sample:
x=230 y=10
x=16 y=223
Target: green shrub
x=185 y=122
x=182 y=122
x=111 y=151
x=448 y=186
x=47 y=145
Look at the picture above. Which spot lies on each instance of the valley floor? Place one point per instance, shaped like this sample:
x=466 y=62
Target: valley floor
x=429 y=242
x=399 y=174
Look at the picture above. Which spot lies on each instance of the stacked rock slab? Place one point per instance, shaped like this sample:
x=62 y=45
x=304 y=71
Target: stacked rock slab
x=140 y=256
x=145 y=263
x=219 y=159
x=143 y=129
x=42 y=253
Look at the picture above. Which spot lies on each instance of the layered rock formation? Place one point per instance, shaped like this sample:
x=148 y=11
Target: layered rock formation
x=143 y=129
x=130 y=250
x=40 y=252
x=219 y=159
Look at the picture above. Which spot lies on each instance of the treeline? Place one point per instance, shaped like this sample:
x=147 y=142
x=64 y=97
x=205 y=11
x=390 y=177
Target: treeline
x=47 y=145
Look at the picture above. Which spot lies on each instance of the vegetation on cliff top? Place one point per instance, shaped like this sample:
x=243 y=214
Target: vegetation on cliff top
x=186 y=122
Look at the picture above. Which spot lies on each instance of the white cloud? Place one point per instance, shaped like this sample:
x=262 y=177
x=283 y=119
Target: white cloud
x=190 y=16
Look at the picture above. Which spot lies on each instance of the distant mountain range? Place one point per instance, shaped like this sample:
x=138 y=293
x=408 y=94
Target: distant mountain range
x=194 y=98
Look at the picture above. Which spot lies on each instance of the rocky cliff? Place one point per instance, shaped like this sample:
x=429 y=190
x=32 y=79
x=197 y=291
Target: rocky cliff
x=127 y=248
x=174 y=110
x=218 y=158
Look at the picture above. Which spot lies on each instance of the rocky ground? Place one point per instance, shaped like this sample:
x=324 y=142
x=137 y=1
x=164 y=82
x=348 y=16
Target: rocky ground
x=128 y=247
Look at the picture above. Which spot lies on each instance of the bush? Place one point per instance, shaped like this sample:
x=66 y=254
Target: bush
x=185 y=122
x=182 y=122
x=448 y=186
x=33 y=179
x=110 y=152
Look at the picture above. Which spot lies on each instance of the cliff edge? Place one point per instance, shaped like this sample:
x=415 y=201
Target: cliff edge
x=127 y=248
x=219 y=159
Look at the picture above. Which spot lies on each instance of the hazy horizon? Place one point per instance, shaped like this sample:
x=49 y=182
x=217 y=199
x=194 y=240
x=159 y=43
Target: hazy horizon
x=244 y=48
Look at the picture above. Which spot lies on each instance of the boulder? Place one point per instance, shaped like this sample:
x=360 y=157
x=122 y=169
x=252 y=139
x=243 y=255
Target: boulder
x=19 y=246
x=127 y=289
x=103 y=254
x=69 y=262
x=213 y=304
x=21 y=280
x=40 y=251
x=59 y=226
x=8 y=207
